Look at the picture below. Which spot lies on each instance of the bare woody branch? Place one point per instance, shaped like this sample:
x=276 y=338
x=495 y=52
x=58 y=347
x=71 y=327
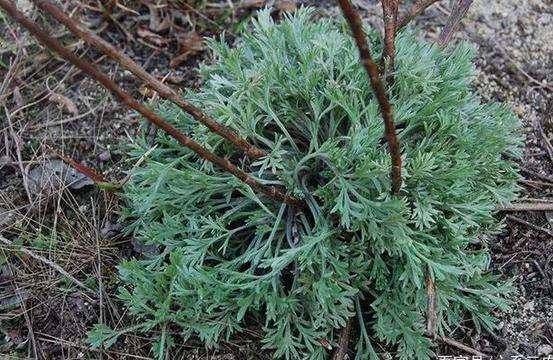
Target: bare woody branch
x=165 y=91
x=342 y=349
x=415 y=10
x=390 y=10
x=372 y=69
x=42 y=35
x=458 y=11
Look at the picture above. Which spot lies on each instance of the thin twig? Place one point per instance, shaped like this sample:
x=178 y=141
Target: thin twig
x=372 y=69
x=461 y=346
x=416 y=9
x=163 y=90
x=546 y=142
x=535 y=174
x=48 y=262
x=342 y=349
x=542 y=206
x=16 y=141
x=28 y=322
x=529 y=224
x=459 y=10
x=42 y=35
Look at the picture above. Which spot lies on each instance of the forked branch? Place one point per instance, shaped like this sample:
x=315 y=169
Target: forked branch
x=87 y=68
x=415 y=10
x=372 y=69
x=164 y=91
x=390 y=9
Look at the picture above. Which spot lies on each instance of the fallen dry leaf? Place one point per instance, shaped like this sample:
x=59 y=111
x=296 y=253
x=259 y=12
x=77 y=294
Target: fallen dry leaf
x=248 y=4
x=190 y=44
x=53 y=175
x=64 y=103
x=286 y=5
x=152 y=37
x=173 y=79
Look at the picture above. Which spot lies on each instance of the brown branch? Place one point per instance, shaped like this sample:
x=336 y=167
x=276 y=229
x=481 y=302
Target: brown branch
x=459 y=10
x=432 y=319
x=372 y=69
x=163 y=90
x=343 y=342
x=390 y=10
x=415 y=10
x=431 y=315
x=124 y=97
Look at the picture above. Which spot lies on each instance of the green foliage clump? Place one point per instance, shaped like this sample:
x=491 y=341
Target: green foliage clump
x=228 y=257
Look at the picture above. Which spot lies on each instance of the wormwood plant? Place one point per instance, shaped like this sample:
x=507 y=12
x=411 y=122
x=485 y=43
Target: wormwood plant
x=227 y=257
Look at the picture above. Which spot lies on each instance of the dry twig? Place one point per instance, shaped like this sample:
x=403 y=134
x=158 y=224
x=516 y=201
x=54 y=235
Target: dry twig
x=529 y=224
x=546 y=142
x=165 y=91
x=416 y=9
x=372 y=69
x=270 y=191
x=459 y=10
x=390 y=9
x=432 y=319
x=546 y=178
x=540 y=206
x=342 y=349
x=461 y=346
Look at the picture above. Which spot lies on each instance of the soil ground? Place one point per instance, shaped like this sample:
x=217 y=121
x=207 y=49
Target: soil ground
x=49 y=108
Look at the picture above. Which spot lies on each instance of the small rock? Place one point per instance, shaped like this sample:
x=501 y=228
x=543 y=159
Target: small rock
x=143 y=249
x=529 y=306
x=519 y=110
x=4 y=160
x=111 y=230
x=104 y=156
x=544 y=350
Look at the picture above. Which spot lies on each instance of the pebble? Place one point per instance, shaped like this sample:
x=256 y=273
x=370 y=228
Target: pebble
x=104 y=155
x=545 y=349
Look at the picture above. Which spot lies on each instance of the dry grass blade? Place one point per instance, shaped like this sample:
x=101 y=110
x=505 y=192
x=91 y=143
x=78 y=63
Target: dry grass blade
x=416 y=9
x=163 y=90
x=51 y=264
x=89 y=69
x=356 y=26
